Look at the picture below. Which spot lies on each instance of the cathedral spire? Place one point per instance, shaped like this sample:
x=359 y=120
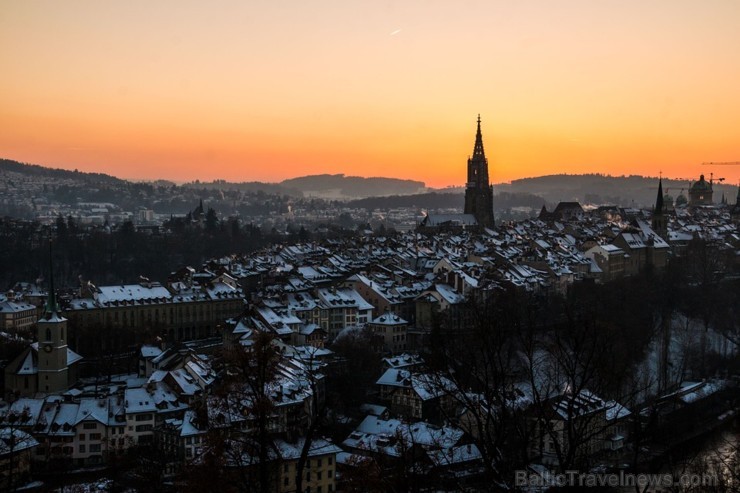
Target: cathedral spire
x=478 y=148
x=52 y=308
x=478 y=191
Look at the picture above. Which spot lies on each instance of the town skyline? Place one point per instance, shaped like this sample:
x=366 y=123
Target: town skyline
x=266 y=92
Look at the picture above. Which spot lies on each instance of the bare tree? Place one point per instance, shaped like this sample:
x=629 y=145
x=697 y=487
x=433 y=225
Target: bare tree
x=14 y=440
x=309 y=373
x=241 y=416
x=481 y=362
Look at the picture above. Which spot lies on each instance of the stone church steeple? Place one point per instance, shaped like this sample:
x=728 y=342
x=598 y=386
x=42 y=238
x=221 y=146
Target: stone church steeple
x=52 y=335
x=660 y=221
x=478 y=190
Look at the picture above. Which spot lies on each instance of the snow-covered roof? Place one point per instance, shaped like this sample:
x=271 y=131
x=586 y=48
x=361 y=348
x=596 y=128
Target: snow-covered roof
x=454 y=455
x=13 y=440
x=132 y=293
x=389 y=318
x=150 y=351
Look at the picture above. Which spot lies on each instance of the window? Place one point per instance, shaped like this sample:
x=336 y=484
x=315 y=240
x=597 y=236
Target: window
x=331 y=460
x=285 y=481
x=82 y=449
x=82 y=436
x=95 y=447
x=308 y=475
x=89 y=426
x=318 y=476
x=48 y=334
x=94 y=436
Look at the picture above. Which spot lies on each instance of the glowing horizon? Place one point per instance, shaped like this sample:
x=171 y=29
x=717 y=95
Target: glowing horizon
x=268 y=91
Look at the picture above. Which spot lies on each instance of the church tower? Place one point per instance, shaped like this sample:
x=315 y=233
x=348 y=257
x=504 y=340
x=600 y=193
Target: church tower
x=660 y=221
x=53 y=368
x=479 y=191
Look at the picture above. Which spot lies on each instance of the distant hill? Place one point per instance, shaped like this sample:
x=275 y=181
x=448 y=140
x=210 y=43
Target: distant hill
x=332 y=187
x=638 y=191
x=346 y=187
x=8 y=166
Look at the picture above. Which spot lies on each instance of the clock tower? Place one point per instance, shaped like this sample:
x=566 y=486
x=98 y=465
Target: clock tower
x=53 y=368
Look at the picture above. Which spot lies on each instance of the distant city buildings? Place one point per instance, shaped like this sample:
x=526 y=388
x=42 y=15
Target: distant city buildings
x=143 y=365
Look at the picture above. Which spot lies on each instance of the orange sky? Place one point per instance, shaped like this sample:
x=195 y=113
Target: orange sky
x=266 y=90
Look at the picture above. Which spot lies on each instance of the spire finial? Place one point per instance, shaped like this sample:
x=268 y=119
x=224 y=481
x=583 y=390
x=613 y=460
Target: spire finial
x=478 y=148
x=51 y=301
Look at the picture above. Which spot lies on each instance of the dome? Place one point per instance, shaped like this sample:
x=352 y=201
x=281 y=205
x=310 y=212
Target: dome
x=701 y=185
x=668 y=199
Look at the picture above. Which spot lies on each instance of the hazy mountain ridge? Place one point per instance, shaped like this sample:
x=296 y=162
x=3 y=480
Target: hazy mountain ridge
x=354 y=186
x=633 y=190
x=326 y=186
x=9 y=166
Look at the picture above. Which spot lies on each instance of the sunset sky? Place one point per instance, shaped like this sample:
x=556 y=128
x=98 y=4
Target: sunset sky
x=267 y=90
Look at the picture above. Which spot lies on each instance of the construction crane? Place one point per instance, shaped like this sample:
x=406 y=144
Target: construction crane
x=721 y=163
x=711 y=178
